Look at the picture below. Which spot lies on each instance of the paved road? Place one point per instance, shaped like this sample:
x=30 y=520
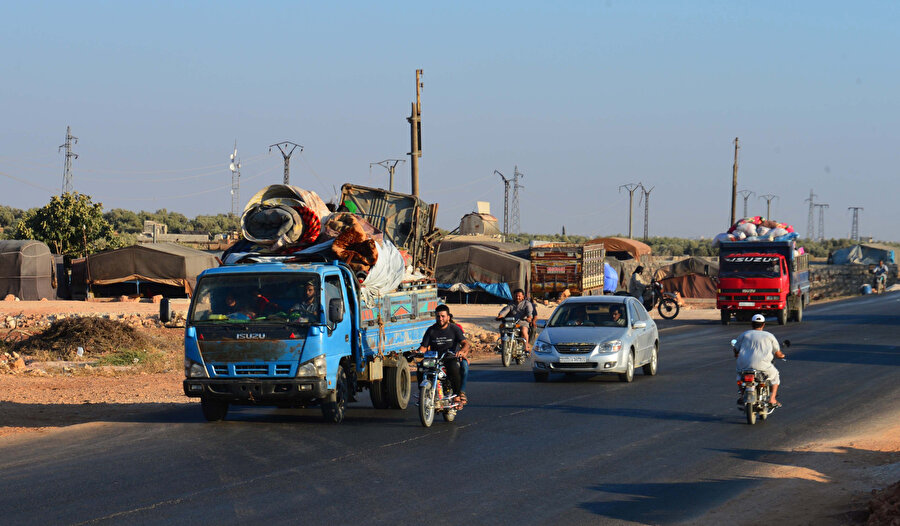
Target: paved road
x=592 y=451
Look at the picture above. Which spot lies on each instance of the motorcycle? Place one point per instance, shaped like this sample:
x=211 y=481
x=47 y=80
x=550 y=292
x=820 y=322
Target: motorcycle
x=665 y=302
x=435 y=392
x=878 y=283
x=512 y=344
x=755 y=389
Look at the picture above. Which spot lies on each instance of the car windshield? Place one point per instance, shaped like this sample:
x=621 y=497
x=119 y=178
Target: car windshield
x=257 y=298
x=588 y=315
x=750 y=267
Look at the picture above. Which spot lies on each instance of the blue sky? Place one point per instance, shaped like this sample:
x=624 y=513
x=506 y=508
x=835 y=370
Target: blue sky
x=582 y=96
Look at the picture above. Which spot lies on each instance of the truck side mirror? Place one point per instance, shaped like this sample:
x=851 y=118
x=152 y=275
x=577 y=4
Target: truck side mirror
x=335 y=310
x=541 y=323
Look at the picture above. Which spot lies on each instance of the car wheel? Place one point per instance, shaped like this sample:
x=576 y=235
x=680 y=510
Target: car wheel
x=628 y=375
x=650 y=368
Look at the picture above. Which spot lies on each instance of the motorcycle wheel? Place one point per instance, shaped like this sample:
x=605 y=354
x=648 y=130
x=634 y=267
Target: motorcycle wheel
x=668 y=308
x=426 y=405
x=520 y=352
x=449 y=415
x=506 y=353
x=764 y=395
x=751 y=414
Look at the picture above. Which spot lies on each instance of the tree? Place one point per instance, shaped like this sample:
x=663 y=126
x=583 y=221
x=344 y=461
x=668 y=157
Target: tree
x=124 y=221
x=69 y=224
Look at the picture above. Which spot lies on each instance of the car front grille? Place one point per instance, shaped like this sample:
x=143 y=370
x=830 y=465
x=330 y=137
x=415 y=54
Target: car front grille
x=575 y=348
x=579 y=365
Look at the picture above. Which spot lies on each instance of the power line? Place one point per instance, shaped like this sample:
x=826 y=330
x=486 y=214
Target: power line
x=515 y=201
x=646 y=197
x=283 y=148
x=768 y=198
x=746 y=195
x=67 y=171
x=821 y=207
x=810 y=227
x=854 y=227
x=29 y=183
x=506 y=183
x=391 y=165
x=631 y=187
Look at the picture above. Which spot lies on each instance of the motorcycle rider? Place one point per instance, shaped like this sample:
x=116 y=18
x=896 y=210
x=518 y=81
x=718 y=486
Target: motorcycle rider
x=638 y=286
x=522 y=310
x=755 y=349
x=881 y=273
x=443 y=336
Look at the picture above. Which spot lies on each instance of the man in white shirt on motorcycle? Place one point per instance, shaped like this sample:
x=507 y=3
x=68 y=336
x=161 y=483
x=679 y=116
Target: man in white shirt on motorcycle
x=755 y=349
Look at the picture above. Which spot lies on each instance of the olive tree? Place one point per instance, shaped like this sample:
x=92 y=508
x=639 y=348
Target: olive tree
x=69 y=224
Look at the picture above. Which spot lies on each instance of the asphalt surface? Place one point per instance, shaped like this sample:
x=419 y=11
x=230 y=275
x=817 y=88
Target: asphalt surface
x=661 y=450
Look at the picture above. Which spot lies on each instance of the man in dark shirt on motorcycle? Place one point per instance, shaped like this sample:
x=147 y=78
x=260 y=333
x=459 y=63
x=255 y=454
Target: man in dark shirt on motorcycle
x=523 y=311
x=444 y=336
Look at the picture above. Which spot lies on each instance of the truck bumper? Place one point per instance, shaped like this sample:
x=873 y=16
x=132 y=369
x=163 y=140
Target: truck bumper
x=257 y=390
x=750 y=305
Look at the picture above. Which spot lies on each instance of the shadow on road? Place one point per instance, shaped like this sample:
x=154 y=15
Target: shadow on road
x=846 y=352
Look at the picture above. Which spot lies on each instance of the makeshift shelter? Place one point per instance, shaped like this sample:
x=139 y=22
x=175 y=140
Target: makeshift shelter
x=482 y=268
x=622 y=248
x=152 y=268
x=28 y=271
x=693 y=277
x=863 y=254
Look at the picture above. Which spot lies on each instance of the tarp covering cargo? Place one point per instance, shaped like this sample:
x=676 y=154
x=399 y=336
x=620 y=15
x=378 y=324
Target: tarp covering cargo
x=27 y=270
x=477 y=264
x=693 y=277
x=163 y=263
x=620 y=246
x=864 y=254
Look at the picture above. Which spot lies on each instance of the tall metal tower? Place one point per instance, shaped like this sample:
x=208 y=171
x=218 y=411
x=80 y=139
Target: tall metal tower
x=746 y=195
x=631 y=187
x=515 y=200
x=646 y=198
x=235 y=167
x=810 y=227
x=506 y=183
x=821 y=207
x=67 y=172
x=854 y=228
x=768 y=198
x=283 y=148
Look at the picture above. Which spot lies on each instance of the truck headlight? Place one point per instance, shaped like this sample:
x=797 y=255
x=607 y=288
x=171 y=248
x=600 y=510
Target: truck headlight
x=772 y=298
x=611 y=346
x=193 y=369
x=314 y=367
x=542 y=348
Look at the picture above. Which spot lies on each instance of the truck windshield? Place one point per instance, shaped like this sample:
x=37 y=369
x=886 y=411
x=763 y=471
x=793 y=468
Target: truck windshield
x=257 y=298
x=750 y=267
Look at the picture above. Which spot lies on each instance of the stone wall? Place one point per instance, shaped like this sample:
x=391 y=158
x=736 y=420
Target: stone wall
x=831 y=281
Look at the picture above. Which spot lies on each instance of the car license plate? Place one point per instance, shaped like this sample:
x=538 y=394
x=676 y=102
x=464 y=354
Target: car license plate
x=572 y=359
x=746 y=304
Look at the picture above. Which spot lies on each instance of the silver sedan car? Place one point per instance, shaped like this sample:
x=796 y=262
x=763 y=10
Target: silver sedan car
x=597 y=334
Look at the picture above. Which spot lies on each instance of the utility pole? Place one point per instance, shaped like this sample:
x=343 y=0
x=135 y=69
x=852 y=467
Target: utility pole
x=746 y=195
x=646 y=198
x=515 y=200
x=854 y=228
x=734 y=185
x=283 y=148
x=768 y=198
x=390 y=164
x=67 y=171
x=810 y=226
x=821 y=207
x=631 y=187
x=235 y=167
x=506 y=183
x=415 y=135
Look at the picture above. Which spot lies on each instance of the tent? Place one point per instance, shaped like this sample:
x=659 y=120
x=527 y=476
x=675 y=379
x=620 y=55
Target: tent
x=28 y=271
x=863 y=254
x=164 y=268
x=622 y=248
x=693 y=277
x=482 y=268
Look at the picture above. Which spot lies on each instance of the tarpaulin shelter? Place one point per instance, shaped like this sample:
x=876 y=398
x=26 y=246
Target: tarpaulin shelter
x=863 y=254
x=483 y=268
x=166 y=264
x=693 y=277
x=622 y=248
x=28 y=270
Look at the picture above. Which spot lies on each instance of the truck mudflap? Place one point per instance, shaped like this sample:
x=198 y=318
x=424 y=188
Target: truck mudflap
x=263 y=391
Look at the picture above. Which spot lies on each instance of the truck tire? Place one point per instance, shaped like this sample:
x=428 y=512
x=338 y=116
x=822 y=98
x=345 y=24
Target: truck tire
x=726 y=316
x=398 y=384
x=378 y=394
x=335 y=405
x=213 y=410
x=782 y=315
x=797 y=315
x=165 y=310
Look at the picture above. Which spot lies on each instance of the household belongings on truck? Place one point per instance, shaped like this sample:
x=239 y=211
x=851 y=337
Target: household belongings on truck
x=482 y=268
x=30 y=272
x=623 y=249
x=862 y=254
x=694 y=277
x=757 y=228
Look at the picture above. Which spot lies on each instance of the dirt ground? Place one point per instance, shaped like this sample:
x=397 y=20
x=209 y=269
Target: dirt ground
x=823 y=483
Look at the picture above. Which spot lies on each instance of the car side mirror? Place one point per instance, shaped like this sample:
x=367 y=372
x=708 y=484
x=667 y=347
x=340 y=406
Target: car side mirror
x=639 y=325
x=335 y=310
x=541 y=323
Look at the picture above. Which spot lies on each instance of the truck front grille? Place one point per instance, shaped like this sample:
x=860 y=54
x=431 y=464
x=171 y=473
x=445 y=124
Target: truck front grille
x=251 y=369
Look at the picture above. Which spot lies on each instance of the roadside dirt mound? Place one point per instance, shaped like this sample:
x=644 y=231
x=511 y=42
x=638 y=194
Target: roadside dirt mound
x=96 y=335
x=884 y=509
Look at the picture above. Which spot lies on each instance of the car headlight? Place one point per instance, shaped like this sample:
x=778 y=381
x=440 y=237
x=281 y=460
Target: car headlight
x=541 y=347
x=314 y=367
x=611 y=346
x=193 y=369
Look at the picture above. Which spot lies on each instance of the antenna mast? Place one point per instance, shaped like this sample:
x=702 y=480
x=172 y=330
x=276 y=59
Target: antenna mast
x=235 y=167
x=67 y=171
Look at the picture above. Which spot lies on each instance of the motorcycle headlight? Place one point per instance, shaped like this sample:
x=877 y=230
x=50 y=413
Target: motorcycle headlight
x=193 y=369
x=429 y=363
x=542 y=347
x=314 y=367
x=611 y=346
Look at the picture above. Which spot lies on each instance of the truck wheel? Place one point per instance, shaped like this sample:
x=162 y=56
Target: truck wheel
x=213 y=410
x=378 y=394
x=726 y=316
x=333 y=408
x=398 y=384
x=782 y=315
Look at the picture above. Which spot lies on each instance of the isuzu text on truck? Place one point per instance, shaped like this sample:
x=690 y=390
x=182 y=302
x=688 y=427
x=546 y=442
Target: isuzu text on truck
x=762 y=277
